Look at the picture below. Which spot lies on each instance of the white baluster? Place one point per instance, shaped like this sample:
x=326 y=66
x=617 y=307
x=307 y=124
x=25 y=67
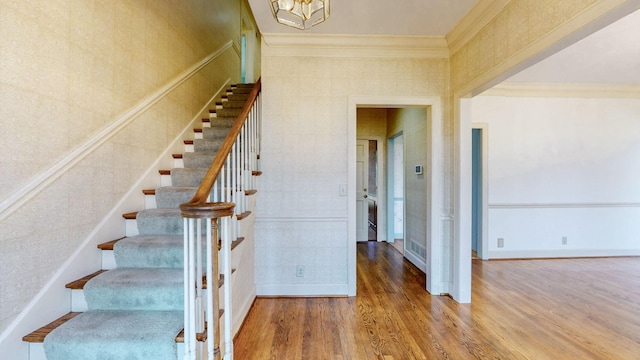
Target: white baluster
x=228 y=312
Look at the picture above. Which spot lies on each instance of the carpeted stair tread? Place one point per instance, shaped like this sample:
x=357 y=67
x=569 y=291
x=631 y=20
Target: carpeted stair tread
x=131 y=335
x=232 y=104
x=227 y=112
x=197 y=160
x=207 y=145
x=160 y=222
x=136 y=289
x=164 y=251
x=222 y=122
x=170 y=197
x=187 y=176
x=237 y=97
x=215 y=133
x=242 y=90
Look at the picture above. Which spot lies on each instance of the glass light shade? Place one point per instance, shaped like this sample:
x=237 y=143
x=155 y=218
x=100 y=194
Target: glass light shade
x=300 y=14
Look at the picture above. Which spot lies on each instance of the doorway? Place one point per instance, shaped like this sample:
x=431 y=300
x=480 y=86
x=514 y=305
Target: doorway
x=429 y=225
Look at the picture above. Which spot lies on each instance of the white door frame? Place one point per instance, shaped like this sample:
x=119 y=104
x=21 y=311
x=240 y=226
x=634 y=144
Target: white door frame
x=435 y=245
x=483 y=248
x=390 y=187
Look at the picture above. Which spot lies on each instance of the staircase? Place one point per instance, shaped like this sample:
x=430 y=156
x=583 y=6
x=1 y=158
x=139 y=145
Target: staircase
x=134 y=307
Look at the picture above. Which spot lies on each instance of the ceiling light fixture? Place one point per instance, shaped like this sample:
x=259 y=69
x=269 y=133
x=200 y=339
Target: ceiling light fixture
x=300 y=14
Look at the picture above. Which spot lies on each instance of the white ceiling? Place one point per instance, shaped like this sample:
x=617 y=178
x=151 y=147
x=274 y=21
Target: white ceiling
x=609 y=56
x=368 y=17
x=612 y=55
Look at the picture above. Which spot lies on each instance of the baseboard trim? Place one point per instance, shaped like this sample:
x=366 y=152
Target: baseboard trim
x=557 y=254
x=303 y=290
x=240 y=313
x=562 y=205
x=419 y=263
x=300 y=219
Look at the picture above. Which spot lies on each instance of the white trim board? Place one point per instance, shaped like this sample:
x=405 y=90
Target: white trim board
x=571 y=253
x=362 y=46
x=302 y=290
x=561 y=205
x=269 y=219
x=47 y=177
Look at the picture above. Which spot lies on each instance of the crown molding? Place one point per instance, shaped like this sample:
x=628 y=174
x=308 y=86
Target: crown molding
x=475 y=20
x=565 y=90
x=312 y=45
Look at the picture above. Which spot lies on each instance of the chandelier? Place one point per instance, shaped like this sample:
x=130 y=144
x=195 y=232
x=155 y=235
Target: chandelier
x=300 y=14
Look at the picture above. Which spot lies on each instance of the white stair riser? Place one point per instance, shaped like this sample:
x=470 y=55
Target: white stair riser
x=150 y=202
x=165 y=180
x=178 y=163
x=36 y=351
x=78 y=302
x=131 y=227
x=108 y=260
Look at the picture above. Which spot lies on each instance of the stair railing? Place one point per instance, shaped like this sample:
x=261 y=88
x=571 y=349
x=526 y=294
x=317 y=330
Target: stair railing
x=212 y=216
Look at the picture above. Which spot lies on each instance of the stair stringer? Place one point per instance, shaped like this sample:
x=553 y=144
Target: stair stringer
x=243 y=286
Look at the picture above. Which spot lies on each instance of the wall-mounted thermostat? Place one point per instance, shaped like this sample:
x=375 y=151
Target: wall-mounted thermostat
x=418 y=169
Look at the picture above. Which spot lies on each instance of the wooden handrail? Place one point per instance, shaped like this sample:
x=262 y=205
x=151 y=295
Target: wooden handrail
x=198 y=206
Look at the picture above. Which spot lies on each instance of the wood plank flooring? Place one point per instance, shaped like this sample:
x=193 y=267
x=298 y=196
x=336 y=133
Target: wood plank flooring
x=522 y=309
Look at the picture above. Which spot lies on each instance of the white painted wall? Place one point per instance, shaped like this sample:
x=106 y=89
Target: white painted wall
x=562 y=167
x=398 y=187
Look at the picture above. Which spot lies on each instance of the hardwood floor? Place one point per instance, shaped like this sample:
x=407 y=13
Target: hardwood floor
x=522 y=309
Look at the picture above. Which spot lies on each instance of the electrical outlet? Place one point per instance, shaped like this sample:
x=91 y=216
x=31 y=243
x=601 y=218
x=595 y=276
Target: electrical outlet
x=500 y=242
x=300 y=271
x=564 y=240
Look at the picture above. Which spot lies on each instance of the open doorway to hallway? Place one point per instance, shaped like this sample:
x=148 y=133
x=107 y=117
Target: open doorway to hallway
x=386 y=185
x=380 y=118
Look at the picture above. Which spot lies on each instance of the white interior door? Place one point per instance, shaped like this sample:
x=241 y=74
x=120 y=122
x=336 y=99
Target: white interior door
x=362 y=179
